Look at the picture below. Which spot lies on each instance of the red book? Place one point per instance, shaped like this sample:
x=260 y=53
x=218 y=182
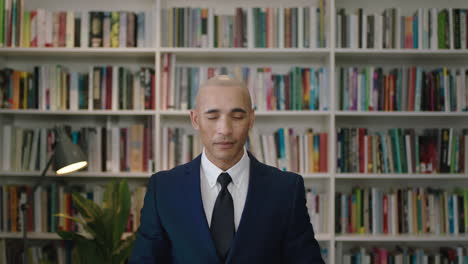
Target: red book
x=385 y=214
x=62 y=28
x=412 y=80
x=361 y=134
x=109 y=88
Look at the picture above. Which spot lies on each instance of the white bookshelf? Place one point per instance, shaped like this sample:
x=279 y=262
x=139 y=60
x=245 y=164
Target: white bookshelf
x=329 y=57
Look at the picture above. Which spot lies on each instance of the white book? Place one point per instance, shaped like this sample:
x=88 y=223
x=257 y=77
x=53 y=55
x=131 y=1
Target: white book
x=264 y=145
x=70 y=30
x=73 y=91
x=409 y=154
x=364 y=29
x=123 y=30
x=109 y=148
x=17 y=149
x=90 y=87
x=354 y=41
x=410 y=212
x=41 y=27
x=287 y=148
x=148 y=32
x=313 y=27
x=84 y=38
x=115 y=148
x=34 y=149
x=300 y=27
x=378 y=31
x=48 y=28
x=115 y=88
x=273 y=153
x=106 y=30
x=282 y=38
x=137 y=104
x=434 y=29
x=185 y=149
x=420 y=28
x=209 y=42
x=6 y=148
x=398 y=28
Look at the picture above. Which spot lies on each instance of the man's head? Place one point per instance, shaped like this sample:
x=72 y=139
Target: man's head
x=223 y=116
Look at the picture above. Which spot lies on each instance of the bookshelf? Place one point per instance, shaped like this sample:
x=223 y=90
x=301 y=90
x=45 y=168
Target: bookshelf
x=280 y=60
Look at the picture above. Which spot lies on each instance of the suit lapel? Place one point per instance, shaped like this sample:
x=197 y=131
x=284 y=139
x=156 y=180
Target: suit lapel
x=196 y=212
x=255 y=199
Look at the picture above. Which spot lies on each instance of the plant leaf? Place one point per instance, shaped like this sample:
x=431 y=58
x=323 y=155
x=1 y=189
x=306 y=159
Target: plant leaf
x=124 y=250
x=122 y=211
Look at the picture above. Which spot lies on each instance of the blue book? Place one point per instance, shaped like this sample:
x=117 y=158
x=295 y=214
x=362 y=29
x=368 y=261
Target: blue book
x=313 y=85
x=451 y=215
x=282 y=148
x=415 y=32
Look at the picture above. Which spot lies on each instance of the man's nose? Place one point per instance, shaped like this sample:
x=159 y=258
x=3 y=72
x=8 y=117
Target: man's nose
x=224 y=126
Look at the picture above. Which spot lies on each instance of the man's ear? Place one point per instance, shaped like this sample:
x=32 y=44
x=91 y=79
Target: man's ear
x=252 y=118
x=194 y=117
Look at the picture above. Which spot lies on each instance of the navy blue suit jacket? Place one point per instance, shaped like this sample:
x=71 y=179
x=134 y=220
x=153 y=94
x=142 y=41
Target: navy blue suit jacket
x=274 y=227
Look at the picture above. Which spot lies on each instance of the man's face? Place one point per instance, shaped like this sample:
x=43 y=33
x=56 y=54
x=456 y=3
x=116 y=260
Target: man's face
x=223 y=118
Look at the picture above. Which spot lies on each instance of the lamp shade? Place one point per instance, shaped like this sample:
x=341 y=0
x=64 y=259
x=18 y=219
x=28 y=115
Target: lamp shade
x=68 y=156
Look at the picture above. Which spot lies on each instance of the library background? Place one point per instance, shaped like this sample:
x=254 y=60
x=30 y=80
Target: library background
x=366 y=99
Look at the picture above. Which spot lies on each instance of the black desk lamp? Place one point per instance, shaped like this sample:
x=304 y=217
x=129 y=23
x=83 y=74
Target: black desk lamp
x=68 y=158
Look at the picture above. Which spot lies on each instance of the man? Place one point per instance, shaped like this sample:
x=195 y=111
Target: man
x=225 y=206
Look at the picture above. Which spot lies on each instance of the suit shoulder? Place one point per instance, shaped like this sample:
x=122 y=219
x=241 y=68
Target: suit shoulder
x=166 y=175
x=281 y=176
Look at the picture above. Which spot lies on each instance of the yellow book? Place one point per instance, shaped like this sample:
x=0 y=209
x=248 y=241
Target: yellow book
x=115 y=28
x=26 y=30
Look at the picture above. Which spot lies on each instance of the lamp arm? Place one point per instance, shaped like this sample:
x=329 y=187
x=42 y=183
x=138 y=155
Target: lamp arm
x=25 y=205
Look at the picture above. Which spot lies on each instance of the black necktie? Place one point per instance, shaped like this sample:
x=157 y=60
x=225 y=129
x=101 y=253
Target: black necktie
x=222 y=221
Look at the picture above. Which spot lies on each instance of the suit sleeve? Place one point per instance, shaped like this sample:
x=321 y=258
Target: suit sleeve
x=152 y=244
x=300 y=246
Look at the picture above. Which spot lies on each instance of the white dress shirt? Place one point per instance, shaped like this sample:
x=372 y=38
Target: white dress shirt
x=238 y=187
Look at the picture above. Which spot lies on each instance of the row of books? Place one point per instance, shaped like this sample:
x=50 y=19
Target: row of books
x=108 y=149
x=46 y=28
x=401 y=255
x=55 y=87
x=317 y=207
x=426 y=28
x=413 y=210
x=60 y=252
x=300 y=89
x=179 y=146
x=52 y=199
x=402 y=89
x=262 y=27
x=434 y=150
x=291 y=149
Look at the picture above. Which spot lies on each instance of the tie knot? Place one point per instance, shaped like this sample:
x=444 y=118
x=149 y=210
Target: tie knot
x=224 y=179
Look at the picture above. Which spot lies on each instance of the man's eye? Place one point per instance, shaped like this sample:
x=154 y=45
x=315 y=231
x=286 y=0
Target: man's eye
x=212 y=117
x=238 y=117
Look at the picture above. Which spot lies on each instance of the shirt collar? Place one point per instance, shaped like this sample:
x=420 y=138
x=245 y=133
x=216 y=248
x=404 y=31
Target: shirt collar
x=237 y=171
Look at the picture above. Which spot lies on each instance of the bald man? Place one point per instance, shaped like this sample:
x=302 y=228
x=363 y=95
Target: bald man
x=225 y=206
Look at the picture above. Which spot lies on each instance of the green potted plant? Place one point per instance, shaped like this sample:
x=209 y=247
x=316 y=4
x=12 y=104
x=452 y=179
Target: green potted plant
x=104 y=226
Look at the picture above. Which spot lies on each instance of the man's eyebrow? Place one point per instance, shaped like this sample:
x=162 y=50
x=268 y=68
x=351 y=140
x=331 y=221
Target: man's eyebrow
x=238 y=110
x=211 y=111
